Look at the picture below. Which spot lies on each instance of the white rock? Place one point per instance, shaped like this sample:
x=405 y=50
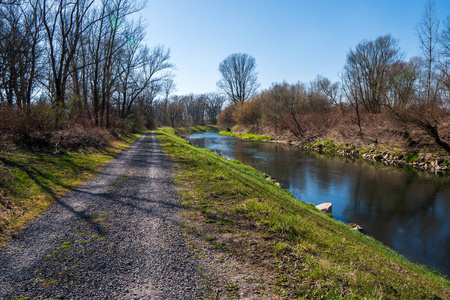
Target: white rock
x=325 y=207
x=357 y=227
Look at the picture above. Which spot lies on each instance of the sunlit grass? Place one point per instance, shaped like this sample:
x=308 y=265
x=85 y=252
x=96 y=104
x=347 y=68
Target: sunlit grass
x=313 y=256
x=247 y=136
x=184 y=131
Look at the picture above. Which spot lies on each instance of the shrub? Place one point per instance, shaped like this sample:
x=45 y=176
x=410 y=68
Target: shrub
x=225 y=120
x=248 y=113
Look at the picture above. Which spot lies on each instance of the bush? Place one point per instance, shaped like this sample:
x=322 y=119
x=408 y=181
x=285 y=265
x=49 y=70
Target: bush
x=35 y=129
x=248 y=113
x=80 y=138
x=225 y=121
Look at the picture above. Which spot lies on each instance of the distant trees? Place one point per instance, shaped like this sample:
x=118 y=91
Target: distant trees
x=295 y=108
x=239 y=80
x=249 y=113
x=175 y=110
x=214 y=104
x=187 y=110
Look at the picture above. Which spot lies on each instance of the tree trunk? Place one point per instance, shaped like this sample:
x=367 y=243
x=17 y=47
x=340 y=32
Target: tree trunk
x=433 y=132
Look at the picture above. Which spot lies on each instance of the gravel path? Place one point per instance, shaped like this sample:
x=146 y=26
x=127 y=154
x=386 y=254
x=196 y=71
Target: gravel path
x=116 y=237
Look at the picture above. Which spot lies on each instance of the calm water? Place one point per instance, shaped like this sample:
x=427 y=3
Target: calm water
x=406 y=211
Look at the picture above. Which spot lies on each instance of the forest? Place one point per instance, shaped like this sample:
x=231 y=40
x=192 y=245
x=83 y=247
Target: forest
x=75 y=72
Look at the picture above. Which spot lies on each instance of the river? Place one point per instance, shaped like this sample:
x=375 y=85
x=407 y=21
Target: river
x=405 y=210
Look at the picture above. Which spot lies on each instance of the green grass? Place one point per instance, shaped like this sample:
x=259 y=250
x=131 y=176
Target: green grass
x=247 y=136
x=31 y=182
x=327 y=145
x=309 y=254
x=185 y=131
x=411 y=157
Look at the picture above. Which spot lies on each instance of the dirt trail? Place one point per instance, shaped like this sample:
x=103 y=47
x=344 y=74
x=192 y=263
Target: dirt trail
x=116 y=237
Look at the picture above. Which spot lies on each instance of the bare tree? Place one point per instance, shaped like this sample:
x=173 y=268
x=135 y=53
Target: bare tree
x=444 y=63
x=352 y=92
x=322 y=90
x=403 y=82
x=103 y=44
x=64 y=24
x=12 y=49
x=287 y=103
x=330 y=90
x=175 y=110
x=239 y=77
x=367 y=70
x=146 y=102
x=427 y=31
x=190 y=109
x=214 y=106
x=140 y=68
x=20 y=52
x=419 y=106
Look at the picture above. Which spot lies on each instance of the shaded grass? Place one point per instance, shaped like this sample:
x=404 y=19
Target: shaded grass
x=309 y=254
x=36 y=180
x=248 y=136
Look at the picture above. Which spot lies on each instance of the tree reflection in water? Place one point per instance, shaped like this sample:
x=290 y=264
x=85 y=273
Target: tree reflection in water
x=404 y=210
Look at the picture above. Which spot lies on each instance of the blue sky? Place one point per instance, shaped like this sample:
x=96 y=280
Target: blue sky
x=290 y=40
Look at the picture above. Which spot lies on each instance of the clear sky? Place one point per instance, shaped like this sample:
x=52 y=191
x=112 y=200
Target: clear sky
x=292 y=40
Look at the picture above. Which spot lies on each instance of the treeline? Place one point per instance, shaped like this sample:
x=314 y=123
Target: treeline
x=381 y=97
x=81 y=63
x=188 y=110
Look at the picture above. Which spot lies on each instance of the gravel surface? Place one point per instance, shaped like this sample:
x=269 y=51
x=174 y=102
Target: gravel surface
x=116 y=237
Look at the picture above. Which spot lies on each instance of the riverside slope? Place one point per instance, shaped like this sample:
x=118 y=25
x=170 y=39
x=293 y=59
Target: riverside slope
x=116 y=237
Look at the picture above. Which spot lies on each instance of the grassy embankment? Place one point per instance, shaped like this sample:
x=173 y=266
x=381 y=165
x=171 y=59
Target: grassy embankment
x=396 y=154
x=236 y=209
x=30 y=182
x=185 y=131
x=248 y=136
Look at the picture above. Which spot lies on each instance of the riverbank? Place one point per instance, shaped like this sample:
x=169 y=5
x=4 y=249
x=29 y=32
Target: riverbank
x=232 y=208
x=185 y=131
x=31 y=181
x=434 y=162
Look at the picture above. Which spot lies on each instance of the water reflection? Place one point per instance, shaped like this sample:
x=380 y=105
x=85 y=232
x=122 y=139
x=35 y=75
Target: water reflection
x=406 y=211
